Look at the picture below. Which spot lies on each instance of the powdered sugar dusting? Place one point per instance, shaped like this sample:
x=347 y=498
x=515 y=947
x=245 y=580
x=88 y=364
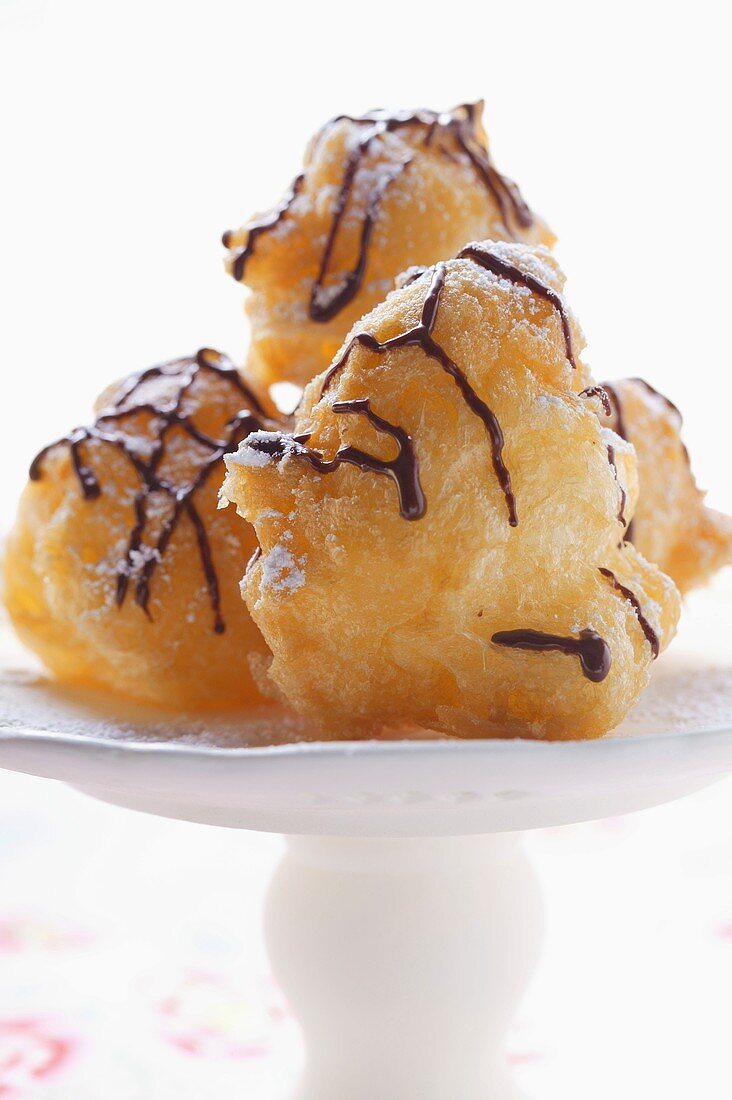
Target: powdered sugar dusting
x=247 y=456
x=612 y=439
x=280 y=571
x=537 y=260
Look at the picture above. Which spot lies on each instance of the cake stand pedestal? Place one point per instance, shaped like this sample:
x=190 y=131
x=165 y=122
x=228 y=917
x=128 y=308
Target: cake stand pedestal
x=404 y=919
x=404 y=962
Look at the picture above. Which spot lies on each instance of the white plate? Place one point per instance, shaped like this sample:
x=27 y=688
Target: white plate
x=245 y=771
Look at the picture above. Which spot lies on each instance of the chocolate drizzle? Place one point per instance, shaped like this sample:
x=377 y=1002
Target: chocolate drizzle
x=420 y=335
x=616 y=407
x=661 y=396
x=601 y=392
x=623 y=494
x=505 y=270
x=460 y=126
x=592 y=650
x=403 y=469
x=244 y=240
x=604 y=396
x=326 y=301
x=504 y=191
x=165 y=417
x=632 y=599
x=669 y=405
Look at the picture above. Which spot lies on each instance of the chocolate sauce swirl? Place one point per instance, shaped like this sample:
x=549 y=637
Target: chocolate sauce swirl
x=460 y=126
x=164 y=417
x=421 y=336
x=634 y=602
x=592 y=650
x=403 y=469
x=505 y=270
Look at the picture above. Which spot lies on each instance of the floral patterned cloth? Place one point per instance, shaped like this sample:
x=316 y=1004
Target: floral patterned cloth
x=132 y=966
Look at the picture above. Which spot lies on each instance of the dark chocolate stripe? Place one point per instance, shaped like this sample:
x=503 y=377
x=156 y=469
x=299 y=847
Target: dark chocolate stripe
x=505 y=192
x=505 y=270
x=420 y=335
x=326 y=301
x=669 y=405
x=621 y=430
x=634 y=602
x=592 y=650
x=258 y=228
x=460 y=125
x=165 y=418
x=601 y=392
x=403 y=469
x=657 y=393
x=623 y=494
x=617 y=408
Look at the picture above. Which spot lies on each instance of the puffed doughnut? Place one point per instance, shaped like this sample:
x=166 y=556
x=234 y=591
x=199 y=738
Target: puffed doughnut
x=672 y=526
x=377 y=194
x=120 y=571
x=442 y=531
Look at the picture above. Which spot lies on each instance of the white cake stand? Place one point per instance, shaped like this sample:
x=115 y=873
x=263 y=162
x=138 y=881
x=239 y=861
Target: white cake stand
x=404 y=919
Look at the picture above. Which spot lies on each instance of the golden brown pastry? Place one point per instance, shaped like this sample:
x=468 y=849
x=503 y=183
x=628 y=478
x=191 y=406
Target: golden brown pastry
x=671 y=526
x=120 y=572
x=442 y=533
x=377 y=194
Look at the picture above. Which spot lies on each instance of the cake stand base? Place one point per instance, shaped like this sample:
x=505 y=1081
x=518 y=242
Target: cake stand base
x=403 y=960
x=403 y=951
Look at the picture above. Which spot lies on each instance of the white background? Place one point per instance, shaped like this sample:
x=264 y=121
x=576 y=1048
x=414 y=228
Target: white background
x=132 y=134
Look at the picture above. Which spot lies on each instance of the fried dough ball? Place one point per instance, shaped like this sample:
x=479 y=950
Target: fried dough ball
x=441 y=536
x=120 y=572
x=377 y=194
x=672 y=526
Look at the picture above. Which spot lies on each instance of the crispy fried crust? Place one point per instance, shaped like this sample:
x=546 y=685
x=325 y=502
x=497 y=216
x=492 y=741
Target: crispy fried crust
x=378 y=615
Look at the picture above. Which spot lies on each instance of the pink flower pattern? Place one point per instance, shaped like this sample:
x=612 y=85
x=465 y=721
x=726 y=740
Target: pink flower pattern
x=207 y=1016
x=30 y=1051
